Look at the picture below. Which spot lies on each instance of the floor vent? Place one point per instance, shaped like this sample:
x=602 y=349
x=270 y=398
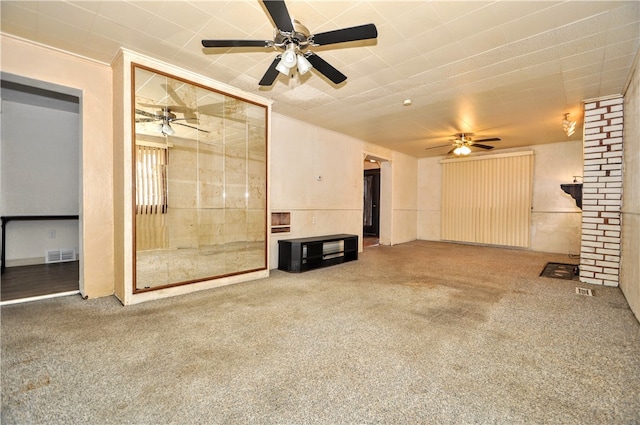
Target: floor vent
x=584 y=291
x=60 y=256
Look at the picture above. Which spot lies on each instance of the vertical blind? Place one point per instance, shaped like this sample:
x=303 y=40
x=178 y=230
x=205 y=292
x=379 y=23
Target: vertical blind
x=151 y=176
x=487 y=199
x=151 y=197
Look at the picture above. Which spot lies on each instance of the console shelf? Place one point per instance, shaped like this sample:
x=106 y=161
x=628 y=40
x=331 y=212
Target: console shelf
x=302 y=254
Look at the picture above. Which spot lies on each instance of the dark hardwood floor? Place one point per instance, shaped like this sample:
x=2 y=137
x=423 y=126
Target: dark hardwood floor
x=368 y=241
x=42 y=279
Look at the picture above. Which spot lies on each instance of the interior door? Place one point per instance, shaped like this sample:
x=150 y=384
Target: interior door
x=371 y=208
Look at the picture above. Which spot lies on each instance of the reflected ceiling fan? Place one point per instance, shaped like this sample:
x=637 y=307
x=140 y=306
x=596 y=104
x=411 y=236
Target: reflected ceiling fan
x=294 y=39
x=178 y=105
x=462 y=144
x=167 y=118
x=221 y=109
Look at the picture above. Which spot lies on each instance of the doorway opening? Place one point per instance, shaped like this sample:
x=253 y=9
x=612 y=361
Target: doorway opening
x=40 y=188
x=371 y=203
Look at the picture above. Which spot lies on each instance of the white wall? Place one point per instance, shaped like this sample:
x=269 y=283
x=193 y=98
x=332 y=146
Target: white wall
x=630 y=251
x=555 y=219
x=404 y=195
x=317 y=175
x=429 y=197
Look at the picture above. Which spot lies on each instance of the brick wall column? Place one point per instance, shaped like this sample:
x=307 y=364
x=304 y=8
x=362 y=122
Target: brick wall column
x=602 y=192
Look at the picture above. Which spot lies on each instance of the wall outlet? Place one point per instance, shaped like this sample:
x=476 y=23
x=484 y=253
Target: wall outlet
x=52 y=233
x=314 y=220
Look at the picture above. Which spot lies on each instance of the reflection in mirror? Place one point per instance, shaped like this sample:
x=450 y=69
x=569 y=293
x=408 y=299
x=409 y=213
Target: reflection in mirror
x=200 y=182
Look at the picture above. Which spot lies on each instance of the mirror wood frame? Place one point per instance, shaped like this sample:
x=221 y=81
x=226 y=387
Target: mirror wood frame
x=259 y=188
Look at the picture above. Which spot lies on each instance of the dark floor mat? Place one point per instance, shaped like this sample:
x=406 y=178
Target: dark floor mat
x=561 y=271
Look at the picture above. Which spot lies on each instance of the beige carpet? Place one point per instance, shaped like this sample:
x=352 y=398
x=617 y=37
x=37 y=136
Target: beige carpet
x=418 y=333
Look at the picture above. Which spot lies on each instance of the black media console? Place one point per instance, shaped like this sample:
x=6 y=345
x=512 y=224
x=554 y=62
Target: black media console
x=299 y=255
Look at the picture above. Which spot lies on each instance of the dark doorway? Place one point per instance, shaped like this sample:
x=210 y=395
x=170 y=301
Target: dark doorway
x=371 y=208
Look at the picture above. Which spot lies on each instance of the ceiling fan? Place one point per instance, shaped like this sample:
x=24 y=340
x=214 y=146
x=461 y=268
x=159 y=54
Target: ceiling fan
x=294 y=39
x=462 y=144
x=227 y=109
x=178 y=105
x=167 y=117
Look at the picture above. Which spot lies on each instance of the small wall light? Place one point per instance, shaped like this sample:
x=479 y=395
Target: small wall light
x=568 y=126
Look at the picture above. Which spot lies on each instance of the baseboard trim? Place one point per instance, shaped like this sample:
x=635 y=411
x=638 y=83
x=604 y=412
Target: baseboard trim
x=25 y=262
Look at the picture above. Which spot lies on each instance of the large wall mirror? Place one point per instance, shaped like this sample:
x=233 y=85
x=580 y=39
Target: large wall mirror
x=200 y=173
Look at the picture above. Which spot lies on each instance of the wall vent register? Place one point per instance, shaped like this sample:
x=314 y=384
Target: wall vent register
x=60 y=256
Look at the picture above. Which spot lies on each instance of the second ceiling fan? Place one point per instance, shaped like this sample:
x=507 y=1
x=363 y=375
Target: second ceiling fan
x=462 y=144
x=294 y=39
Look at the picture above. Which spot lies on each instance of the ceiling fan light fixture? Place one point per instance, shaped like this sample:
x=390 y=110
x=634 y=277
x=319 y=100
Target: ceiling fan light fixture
x=283 y=69
x=303 y=65
x=462 y=150
x=289 y=57
x=288 y=60
x=167 y=130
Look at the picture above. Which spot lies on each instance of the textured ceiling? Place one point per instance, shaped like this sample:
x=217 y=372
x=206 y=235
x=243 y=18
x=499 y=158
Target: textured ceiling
x=507 y=69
